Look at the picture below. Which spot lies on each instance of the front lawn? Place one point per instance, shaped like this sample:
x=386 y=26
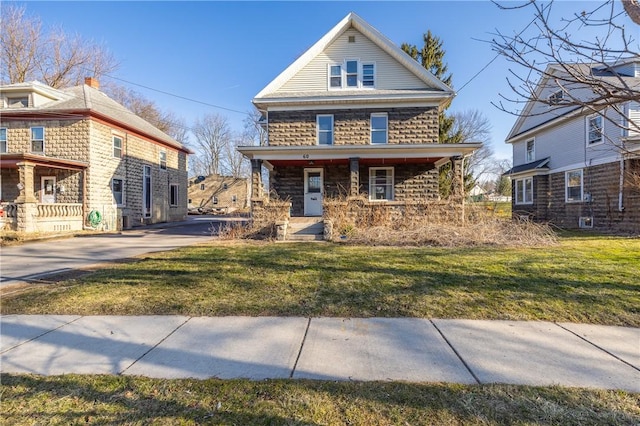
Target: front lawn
x=72 y=399
x=589 y=279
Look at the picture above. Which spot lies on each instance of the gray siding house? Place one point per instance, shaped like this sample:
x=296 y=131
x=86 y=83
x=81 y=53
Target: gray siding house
x=353 y=117
x=575 y=166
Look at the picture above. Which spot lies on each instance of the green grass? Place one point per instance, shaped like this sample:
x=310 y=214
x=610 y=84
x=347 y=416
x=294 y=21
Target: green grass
x=585 y=278
x=73 y=399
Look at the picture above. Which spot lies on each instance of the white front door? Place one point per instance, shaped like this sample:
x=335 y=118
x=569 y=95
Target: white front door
x=313 y=192
x=48 y=189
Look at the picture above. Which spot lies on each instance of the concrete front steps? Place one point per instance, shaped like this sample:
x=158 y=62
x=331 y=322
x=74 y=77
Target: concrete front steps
x=305 y=229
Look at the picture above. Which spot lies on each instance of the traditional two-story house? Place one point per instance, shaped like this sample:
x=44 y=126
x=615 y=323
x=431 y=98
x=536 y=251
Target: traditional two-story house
x=354 y=116
x=578 y=166
x=75 y=158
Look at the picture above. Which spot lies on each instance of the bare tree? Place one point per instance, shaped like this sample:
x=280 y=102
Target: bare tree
x=255 y=132
x=473 y=126
x=551 y=50
x=212 y=134
x=54 y=57
x=235 y=164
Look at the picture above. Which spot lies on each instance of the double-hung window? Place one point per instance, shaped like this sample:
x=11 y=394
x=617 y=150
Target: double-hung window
x=531 y=150
x=37 y=140
x=324 y=129
x=594 y=129
x=173 y=194
x=351 y=70
x=524 y=191
x=117 y=188
x=381 y=183
x=379 y=127
x=117 y=147
x=573 y=181
x=335 y=77
x=3 y=139
x=163 y=160
x=352 y=74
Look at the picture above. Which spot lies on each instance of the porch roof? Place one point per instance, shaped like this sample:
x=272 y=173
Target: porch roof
x=11 y=161
x=344 y=152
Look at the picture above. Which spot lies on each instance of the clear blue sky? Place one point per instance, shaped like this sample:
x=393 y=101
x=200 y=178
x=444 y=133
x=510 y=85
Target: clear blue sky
x=224 y=53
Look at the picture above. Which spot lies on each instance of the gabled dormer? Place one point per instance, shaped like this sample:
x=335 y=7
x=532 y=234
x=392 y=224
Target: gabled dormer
x=31 y=94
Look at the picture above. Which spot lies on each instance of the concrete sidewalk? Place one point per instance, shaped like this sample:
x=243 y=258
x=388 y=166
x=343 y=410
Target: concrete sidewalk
x=407 y=349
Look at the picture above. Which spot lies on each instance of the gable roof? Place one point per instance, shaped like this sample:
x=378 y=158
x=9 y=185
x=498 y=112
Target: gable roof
x=354 y=21
x=88 y=100
x=528 y=120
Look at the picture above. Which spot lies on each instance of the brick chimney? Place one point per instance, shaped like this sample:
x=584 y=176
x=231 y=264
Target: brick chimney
x=92 y=82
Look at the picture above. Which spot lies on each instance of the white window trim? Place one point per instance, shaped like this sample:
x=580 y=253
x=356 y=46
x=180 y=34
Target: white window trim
x=329 y=86
x=358 y=85
x=6 y=140
x=388 y=169
x=123 y=204
x=375 y=75
x=31 y=139
x=318 y=129
x=359 y=75
x=177 y=198
x=566 y=186
x=588 y=120
x=526 y=150
x=113 y=141
x=378 y=114
x=524 y=182
x=555 y=101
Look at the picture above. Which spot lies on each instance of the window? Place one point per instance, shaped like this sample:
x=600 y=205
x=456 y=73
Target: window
x=531 y=150
x=202 y=187
x=173 y=194
x=524 y=191
x=18 y=102
x=352 y=73
x=117 y=147
x=146 y=190
x=335 y=76
x=368 y=75
x=163 y=160
x=215 y=200
x=325 y=129
x=594 y=129
x=381 y=183
x=573 y=180
x=117 y=188
x=225 y=186
x=37 y=139
x=556 y=97
x=234 y=199
x=379 y=123
x=3 y=139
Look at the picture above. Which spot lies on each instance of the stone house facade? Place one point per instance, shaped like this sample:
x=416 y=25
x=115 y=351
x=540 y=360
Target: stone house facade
x=74 y=158
x=577 y=168
x=218 y=194
x=354 y=117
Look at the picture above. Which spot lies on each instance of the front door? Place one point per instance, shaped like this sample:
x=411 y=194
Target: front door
x=313 y=192
x=48 y=189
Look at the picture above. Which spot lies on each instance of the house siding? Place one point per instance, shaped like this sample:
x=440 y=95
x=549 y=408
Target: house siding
x=352 y=127
x=390 y=75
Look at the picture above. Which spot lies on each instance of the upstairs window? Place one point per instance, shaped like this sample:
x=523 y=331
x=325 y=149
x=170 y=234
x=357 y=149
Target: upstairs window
x=37 y=140
x=18 y=102
x=594 y=129
x=324 y=128
x=556 y=97
x=352 y=74
x=379 y=124
x=117 y=147
x=163 y=160
x=3 y=139
x=531 y=151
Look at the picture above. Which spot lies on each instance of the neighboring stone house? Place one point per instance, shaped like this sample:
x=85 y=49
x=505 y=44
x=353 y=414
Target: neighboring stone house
x=353 y=117
x=218 y=194
x=75 y=158
x=579 y=167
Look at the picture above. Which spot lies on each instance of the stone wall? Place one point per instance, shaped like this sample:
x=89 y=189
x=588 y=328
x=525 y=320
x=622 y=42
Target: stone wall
x=602 y=182
x=406 y=126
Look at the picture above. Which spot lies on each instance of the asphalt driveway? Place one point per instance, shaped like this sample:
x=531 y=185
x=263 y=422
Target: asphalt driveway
x=37 y=260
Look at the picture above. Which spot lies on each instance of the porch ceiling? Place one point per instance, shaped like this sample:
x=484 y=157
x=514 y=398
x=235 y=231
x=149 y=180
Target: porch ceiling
x=315 y=153
x=12 y=161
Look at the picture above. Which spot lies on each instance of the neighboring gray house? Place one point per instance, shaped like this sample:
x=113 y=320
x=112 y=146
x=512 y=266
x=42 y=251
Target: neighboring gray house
x=357 y=117
x=578 y=167
x=74 y=157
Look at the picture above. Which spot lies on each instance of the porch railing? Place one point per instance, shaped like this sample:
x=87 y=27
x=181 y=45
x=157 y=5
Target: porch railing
x=59 y=210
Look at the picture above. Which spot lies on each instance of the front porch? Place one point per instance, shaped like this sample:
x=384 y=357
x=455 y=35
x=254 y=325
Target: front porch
x=48 y=194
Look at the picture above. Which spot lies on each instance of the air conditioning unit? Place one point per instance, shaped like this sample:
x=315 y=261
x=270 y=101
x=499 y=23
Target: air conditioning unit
x=586 y=222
